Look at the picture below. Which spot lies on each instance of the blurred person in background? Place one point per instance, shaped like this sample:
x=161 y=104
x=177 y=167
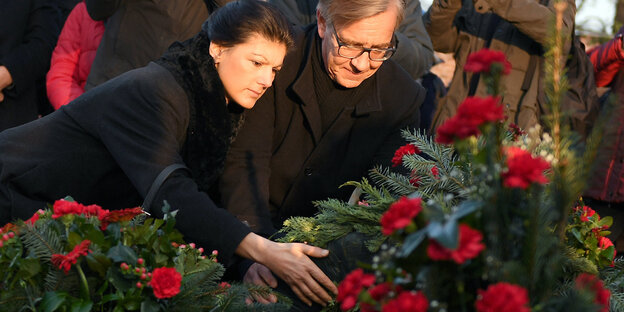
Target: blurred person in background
x=28 y=33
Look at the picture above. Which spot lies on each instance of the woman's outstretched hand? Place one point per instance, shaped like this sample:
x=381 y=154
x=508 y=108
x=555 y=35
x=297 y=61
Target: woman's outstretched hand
x=291 y=263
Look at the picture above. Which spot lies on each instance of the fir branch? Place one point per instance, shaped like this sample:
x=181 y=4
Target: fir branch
x=395 y=183
x=42 y=241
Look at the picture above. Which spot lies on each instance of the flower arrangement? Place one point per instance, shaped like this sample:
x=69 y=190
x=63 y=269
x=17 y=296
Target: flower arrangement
x=75 y=257
x=483 y=220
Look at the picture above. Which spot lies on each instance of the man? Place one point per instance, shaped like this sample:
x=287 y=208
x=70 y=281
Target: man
x=335 y=111
x=139 y=31
x=415 y=51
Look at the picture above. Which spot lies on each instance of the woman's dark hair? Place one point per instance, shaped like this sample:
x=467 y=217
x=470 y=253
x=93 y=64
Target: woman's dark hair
x=239 y=20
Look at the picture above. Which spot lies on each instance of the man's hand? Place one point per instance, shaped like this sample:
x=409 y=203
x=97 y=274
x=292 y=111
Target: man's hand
x=291 y=263
x=258 y=274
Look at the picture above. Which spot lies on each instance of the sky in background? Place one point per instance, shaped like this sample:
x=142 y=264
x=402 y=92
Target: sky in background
x=595 y=15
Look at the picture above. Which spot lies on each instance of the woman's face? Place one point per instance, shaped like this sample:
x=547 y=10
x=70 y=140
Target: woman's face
x=248 y=69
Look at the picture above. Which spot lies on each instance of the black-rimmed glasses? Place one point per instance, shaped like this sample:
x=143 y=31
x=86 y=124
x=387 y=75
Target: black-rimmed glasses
x=374 y=54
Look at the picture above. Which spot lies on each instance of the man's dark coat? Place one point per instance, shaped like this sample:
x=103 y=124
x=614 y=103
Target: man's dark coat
x=108 y=146
x=281 y=161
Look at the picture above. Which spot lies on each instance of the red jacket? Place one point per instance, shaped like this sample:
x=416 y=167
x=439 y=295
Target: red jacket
x=608 y=59
x=606 y=182
x=72 y=57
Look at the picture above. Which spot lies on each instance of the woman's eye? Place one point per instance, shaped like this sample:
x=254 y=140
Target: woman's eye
x=256 y=63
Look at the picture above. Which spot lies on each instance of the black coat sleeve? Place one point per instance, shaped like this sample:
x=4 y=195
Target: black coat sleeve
x=244 y=184
x=30 y=60
x=142 y=117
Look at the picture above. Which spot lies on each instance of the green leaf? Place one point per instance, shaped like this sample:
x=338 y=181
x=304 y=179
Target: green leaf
x=28 y=268
x=412 y=242
x=93 y=234
x=121 y=253
x=74 y=238
x=575 y=232
x=445 y=234
x=119 y=281
x=52 y=301
x=467 y=207
x=608 y=221
x=98 y=262
x=110 y=297
x=132 y=303
x=149 y=305
x=80 y=305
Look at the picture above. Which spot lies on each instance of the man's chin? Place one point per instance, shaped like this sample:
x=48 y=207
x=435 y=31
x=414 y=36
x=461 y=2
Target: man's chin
x=349 y=83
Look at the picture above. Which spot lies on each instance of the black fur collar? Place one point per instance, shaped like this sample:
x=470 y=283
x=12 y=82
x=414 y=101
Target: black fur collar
x=212 y=124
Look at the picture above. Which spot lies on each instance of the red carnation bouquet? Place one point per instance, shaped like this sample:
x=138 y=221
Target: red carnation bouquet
x=75 y=257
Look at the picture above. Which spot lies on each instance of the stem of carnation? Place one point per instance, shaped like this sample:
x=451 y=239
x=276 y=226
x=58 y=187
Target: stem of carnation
x=85 y=286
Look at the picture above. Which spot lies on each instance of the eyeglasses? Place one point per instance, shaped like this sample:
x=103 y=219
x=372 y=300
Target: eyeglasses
x=374 y=54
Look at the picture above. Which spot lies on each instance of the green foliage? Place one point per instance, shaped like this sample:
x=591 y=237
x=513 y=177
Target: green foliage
x=44 y=268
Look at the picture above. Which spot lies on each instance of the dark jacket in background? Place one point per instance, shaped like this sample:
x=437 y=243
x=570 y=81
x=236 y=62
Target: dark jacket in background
x=28 y=33
x=282 y=159
x=415 y=51
x=108 y=146
x=139 y=31
x=606 y=183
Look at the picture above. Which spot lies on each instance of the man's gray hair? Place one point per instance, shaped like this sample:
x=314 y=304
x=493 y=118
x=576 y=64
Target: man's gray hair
x=345 y=12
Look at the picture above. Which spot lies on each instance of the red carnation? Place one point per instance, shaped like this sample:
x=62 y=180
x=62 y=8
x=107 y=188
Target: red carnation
x=407 y=301
x=477 y=111
x=64 y=262
x=586 y=213
x=605 y=243
x=469 y=246
x=400 y=214
x=119 y=216
x=64 y=207
x=523 y=169
x=380 y=291
x=471 y=114
x=166 y=282
x=503 y=297
x=35 y=217
x=454 y=128
x=407 y=149
x=592 y=283
x=484 y=59
x=349 y=289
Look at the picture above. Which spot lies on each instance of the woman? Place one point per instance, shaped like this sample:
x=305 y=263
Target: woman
x=160 y=133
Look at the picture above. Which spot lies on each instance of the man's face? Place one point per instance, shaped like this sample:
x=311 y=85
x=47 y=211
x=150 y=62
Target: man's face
x=371 y=32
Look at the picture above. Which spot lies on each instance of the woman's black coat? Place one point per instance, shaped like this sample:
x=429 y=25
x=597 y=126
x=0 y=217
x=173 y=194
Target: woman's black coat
x=108 y=146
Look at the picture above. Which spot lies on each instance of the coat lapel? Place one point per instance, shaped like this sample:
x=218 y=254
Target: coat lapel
x=304 y=89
